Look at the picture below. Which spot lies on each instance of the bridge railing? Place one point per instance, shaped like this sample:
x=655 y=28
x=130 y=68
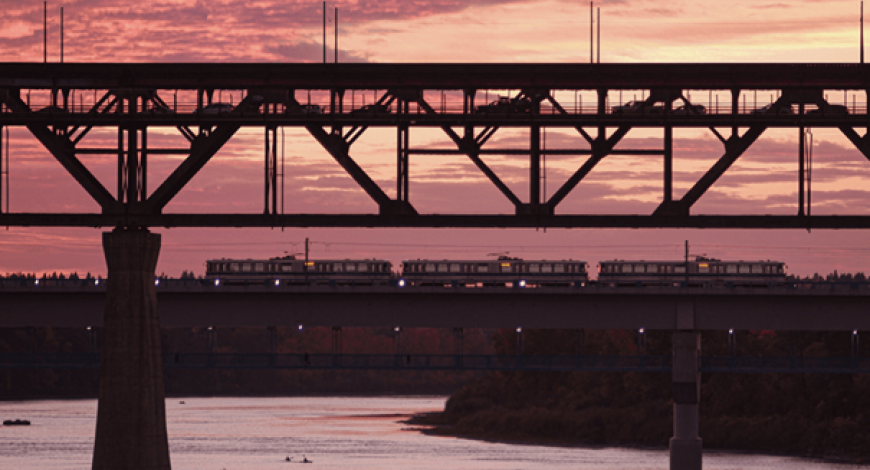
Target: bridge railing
x=542 y=363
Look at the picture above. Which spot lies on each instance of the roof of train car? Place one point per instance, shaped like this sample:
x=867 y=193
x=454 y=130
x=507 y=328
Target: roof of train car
x=317 y=260
x=493 y=261
x=693 y=261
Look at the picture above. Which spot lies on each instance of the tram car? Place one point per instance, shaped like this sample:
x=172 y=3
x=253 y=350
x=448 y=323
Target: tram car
x=289 y=270
x=504 y=271
x=705 y=272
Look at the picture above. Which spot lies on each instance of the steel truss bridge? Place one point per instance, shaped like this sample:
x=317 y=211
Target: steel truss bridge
x=449 y=362
x=132 y=98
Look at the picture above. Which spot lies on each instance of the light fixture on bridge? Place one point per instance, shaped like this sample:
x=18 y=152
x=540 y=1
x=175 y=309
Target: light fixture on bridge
x=401 y=283
x=96 y=282
x=519 y=329
x=210 y=328
x=640 y=330
x=36 y=282
x=277 y=282
x=522 y=283
x=157 y=281
x=300 y=327
x=397 y=329
x=88 y=328
x=217 y=282
x=854 y=332
x=730 y=331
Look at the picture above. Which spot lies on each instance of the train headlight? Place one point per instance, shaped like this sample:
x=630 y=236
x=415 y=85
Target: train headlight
x=522 y=283
x=277 y=282
x=401 y=283
x=217 y=282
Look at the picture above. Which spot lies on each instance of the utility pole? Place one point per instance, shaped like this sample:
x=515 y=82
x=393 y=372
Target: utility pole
x=61 y=35
x=44 y=32
x=687 y=262
x=336 y=35
x=862 y=32
x=324 y=32
x=598 y=39
x=591 y=32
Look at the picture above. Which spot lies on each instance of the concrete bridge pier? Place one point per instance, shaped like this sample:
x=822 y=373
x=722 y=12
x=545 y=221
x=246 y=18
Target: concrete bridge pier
x=686 y=445
x=131 y=414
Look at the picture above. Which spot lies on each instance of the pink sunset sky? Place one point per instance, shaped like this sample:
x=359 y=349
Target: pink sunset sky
x=763 y=181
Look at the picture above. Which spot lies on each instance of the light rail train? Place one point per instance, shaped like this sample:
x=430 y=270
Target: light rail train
x=504 y=272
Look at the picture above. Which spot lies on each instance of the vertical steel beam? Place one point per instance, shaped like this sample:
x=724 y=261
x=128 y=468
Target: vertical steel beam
x=535 y=166
x=669 y=163
x=735 y=108
x=801 y=170
x=274 y=161
x=2 y=171
x=266 y=179
x=121 y=161
x=132 y=154
x=143 y=164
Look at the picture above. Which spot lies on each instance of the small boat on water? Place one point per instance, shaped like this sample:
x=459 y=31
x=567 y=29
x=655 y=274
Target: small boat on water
x=16 y=422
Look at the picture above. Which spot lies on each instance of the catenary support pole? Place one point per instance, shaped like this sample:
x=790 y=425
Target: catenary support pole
x=131 y=414
x=686 y=445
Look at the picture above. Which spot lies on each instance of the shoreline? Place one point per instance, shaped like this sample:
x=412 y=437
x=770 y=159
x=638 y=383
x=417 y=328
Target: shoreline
x=423 y=425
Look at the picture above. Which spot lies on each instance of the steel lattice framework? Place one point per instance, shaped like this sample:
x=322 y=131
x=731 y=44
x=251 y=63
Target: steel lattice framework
x=130 y=101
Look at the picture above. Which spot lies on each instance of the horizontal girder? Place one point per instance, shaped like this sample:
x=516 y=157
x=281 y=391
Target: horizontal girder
x=439 y=221
x=434 y=76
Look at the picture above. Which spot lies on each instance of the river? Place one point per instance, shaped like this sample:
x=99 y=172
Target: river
x=332 y=432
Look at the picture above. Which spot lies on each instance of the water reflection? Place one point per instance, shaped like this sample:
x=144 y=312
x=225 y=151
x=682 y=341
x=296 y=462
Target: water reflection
x=333 y=432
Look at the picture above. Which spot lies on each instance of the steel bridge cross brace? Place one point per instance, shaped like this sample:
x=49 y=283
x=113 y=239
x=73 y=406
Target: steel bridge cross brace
x=471 y=145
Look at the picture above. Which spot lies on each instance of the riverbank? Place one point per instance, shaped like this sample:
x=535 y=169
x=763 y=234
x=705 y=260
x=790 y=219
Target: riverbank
x=818 y=416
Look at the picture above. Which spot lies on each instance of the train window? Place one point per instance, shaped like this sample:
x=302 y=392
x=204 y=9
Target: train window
x=534 y=268
x=731 y=268
x=779 y=269
x=703 y=267
x=679 y=269
x=234 y=267
x=350 y=267
x=363 y=267
x=558 y=268
x=651 y=268
x=430 y=267
x=756 y=269
x=337 y=267
x=286 y=267
x=442 y=267
x=246 y=267
x=454 y=267
x=546 y=268
x=638 y=268
x=743 y=269
x=505 y=267
x=386 y=267
x=626 y=268
x=482 y=268
x=258 y=267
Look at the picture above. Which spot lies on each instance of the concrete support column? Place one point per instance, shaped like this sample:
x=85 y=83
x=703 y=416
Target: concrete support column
x=686 y=445
x=131 y=415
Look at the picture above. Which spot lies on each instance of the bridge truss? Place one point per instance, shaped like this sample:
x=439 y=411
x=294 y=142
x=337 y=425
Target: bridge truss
x=132 y=98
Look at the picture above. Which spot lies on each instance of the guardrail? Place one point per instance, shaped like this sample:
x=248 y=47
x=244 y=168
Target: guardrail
x=442 y=362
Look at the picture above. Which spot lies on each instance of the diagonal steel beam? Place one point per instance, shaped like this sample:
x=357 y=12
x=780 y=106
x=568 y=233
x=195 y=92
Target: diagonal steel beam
x=734 y=147
x=600 y=149
x=470 y=146
x=64 y=151
x=338 y=148
x=202 y=149
x=861 y=143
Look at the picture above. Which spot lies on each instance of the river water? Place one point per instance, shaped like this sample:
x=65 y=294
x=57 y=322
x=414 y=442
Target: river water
x=332 y=432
